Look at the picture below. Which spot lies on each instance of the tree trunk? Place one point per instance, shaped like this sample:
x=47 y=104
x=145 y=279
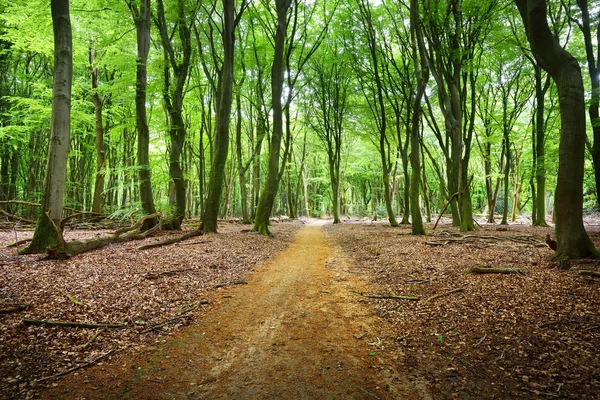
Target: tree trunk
x=141 y=16
x=573 y=240
x=418 y=49
x=269 y=191
x=540 y=155
x=225 y=96
x=240 y=166
x=99 y=143
x=45 y=235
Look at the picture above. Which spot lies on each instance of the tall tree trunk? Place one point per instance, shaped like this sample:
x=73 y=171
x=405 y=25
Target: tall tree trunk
x=540 y=152
x=269 y=191
x=99 y=143
x=45 y=235
x=221 y=146
x=573 y=240
x=141 y=15
x=240 y=166
x=421 y=72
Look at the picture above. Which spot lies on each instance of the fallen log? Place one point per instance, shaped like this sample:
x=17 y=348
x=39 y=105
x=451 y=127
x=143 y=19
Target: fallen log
x=490 y=270
x=18 y=243
x=66 y=250
x=68 y=324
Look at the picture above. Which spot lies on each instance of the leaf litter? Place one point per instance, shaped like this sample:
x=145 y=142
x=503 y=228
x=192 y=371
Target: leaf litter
x=531 y=335
x=155 y=292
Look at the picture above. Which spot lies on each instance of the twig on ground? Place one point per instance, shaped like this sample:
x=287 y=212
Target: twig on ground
x=386 y=296
x=490 y=270
x=444 y=294
x=68 y=371
x=66 y=324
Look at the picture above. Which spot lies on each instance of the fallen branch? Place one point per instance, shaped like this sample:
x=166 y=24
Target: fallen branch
x=18 y=243
x=454 y=196
x=156 y=274
x=588 y=272
x=94 y=336
x=16 y=218
x=68 y=371
x=15 y=308
x=67 y=324
x=186 y=236
x=163 y=323
x=444 y=294
x=387 y=296
x=489 y=270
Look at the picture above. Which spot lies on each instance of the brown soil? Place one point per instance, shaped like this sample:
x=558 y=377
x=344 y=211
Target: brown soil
x=297 y=330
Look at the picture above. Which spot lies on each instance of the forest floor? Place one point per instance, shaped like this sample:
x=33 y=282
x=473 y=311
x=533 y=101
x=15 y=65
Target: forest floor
x=307 y=314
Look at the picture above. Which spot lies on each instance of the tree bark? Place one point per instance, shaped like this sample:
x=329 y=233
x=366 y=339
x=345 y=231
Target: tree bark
x=225 y=98
x=269 y=191
x=99 y=142
x=418 y=49
x=58 y=148
x=573 y=240
x=140 y=12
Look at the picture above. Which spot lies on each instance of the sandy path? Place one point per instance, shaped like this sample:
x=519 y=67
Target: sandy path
x=296 y=331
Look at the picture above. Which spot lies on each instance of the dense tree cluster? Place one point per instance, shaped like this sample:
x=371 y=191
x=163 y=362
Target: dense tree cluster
x=387 y=108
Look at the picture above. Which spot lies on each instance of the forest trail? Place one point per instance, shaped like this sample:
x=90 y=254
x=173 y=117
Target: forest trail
x=297 y=330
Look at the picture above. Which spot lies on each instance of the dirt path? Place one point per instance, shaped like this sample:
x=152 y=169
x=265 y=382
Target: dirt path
x=296 y=331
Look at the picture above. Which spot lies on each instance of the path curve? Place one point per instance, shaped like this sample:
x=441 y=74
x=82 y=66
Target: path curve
x=297 y=330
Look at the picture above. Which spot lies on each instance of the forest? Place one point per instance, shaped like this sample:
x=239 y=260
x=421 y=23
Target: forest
x=443 y=153
x=313 y=108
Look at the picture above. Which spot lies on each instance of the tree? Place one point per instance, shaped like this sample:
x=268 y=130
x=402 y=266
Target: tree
x=573 y=240
x=45 y=235
x=224 y=100
x=269 y=191
x=177 y=63
x=330 y=88
x=140 y=10
x=422 y=74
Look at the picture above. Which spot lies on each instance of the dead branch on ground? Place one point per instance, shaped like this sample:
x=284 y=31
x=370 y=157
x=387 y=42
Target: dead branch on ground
x=68 y=371
x=588 y=272
x=491 y=270
x=67 y=324
x=386 y=296
x=444 y=294
x=14 y=308
x=16 y=218
x=191 y=234
x=164 y=323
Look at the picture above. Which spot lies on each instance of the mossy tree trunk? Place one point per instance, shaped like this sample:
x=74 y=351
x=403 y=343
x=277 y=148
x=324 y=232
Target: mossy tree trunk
x=225 y=98
x=140 y=10
x=269 y=191
x=45 y=236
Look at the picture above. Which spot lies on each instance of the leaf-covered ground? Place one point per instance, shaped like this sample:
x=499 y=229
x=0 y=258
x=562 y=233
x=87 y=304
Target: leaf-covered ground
x=116 y=284
x=497 y=336
x=519 y=336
